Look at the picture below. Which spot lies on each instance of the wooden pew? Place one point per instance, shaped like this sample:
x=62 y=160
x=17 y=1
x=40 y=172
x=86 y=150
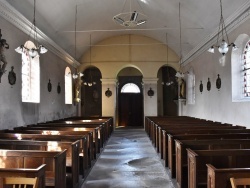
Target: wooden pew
x=226 y=158
x=84 y=123
x=107 y=120
x=38 y=172
x=55 y=170
x=220 y=177
x=172 y=151
x=45 y=131
x=72 y=153
x=163 y=140
x=101 y=130
x=66 y=138
x=160 y=128
x=178 y=122
x=181 y=153
x=64 y=128
x=171 y=143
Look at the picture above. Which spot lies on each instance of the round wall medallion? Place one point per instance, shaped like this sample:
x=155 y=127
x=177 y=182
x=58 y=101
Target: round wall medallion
x=150 y=92
x=108 y=93
x=201 y=87
x=218 y=82
x=49 y=86
x=58 y=88
x=12 y=76
x=208 y=85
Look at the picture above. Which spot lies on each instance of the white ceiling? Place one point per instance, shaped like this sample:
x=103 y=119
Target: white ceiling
x=199 y=20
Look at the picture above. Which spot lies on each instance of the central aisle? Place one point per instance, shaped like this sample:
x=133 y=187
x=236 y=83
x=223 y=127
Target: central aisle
x=128 y=161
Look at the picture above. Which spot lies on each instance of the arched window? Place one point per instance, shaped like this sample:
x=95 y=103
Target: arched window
x=191 y=87
x=246 y=70
x=240 y=63
x=130 y=88
x=68 y=86
x=30 y=76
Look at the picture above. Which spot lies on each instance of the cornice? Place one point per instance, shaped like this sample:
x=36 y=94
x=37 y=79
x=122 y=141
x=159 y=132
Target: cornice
x=150 y=80
x=239 y=17
x=17 y=19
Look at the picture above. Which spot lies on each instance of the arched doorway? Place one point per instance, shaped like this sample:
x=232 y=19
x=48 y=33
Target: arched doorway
x=130 y=98
x=91 y=96
x=167 y=92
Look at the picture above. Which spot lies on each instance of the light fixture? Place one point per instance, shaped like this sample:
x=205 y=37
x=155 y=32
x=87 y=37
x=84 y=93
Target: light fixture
x=179 y=74
x=89 y=82
x=79 y=74
x=224 y=45
x=169 y=81
x=130 y=18
x=38 y=49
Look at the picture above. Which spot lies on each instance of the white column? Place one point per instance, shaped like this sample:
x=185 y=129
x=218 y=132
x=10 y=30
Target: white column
x=109 y=103
x=150 y=103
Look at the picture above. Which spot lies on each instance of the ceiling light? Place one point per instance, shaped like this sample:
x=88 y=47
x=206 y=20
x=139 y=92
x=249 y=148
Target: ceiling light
x=34 y=51
x=130 y=18
x=224 y=45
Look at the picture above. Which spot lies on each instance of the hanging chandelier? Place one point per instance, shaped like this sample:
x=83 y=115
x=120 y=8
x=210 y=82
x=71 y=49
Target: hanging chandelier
x=38 y=49
x=179 y=74
x=79 y=74
x=224 y=45
x=89 y=82
x=130 y=18
x=169 y=81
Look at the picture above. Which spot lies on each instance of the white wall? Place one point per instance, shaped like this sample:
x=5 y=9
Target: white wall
x=110 y=59
x=217 y=104
x=13 y=112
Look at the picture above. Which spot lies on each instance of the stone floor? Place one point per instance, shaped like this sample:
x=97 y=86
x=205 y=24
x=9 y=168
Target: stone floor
x=128 y=161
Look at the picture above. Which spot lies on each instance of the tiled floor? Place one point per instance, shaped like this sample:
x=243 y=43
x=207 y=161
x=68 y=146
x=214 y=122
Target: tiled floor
x=128 y=161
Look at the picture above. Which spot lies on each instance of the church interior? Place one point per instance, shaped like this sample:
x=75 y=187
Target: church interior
x=130 y=93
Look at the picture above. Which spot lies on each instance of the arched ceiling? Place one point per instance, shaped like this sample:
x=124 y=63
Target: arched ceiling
x=199 y=20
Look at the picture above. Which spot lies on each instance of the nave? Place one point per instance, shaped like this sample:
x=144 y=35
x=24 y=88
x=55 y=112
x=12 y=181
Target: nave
x=128 y=161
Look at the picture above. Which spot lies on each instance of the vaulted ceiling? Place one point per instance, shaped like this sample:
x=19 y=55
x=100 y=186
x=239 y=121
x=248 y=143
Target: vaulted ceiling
x=199 y=20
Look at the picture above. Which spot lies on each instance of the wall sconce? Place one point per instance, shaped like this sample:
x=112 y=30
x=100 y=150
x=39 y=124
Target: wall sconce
x=151 y=92
x=3 y=44
x=108 y=93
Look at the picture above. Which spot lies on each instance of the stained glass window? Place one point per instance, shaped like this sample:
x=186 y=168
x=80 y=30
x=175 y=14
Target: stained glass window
x=246 y=70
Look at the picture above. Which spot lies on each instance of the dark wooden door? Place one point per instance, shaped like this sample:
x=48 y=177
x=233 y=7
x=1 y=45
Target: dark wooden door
x=130 y=109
